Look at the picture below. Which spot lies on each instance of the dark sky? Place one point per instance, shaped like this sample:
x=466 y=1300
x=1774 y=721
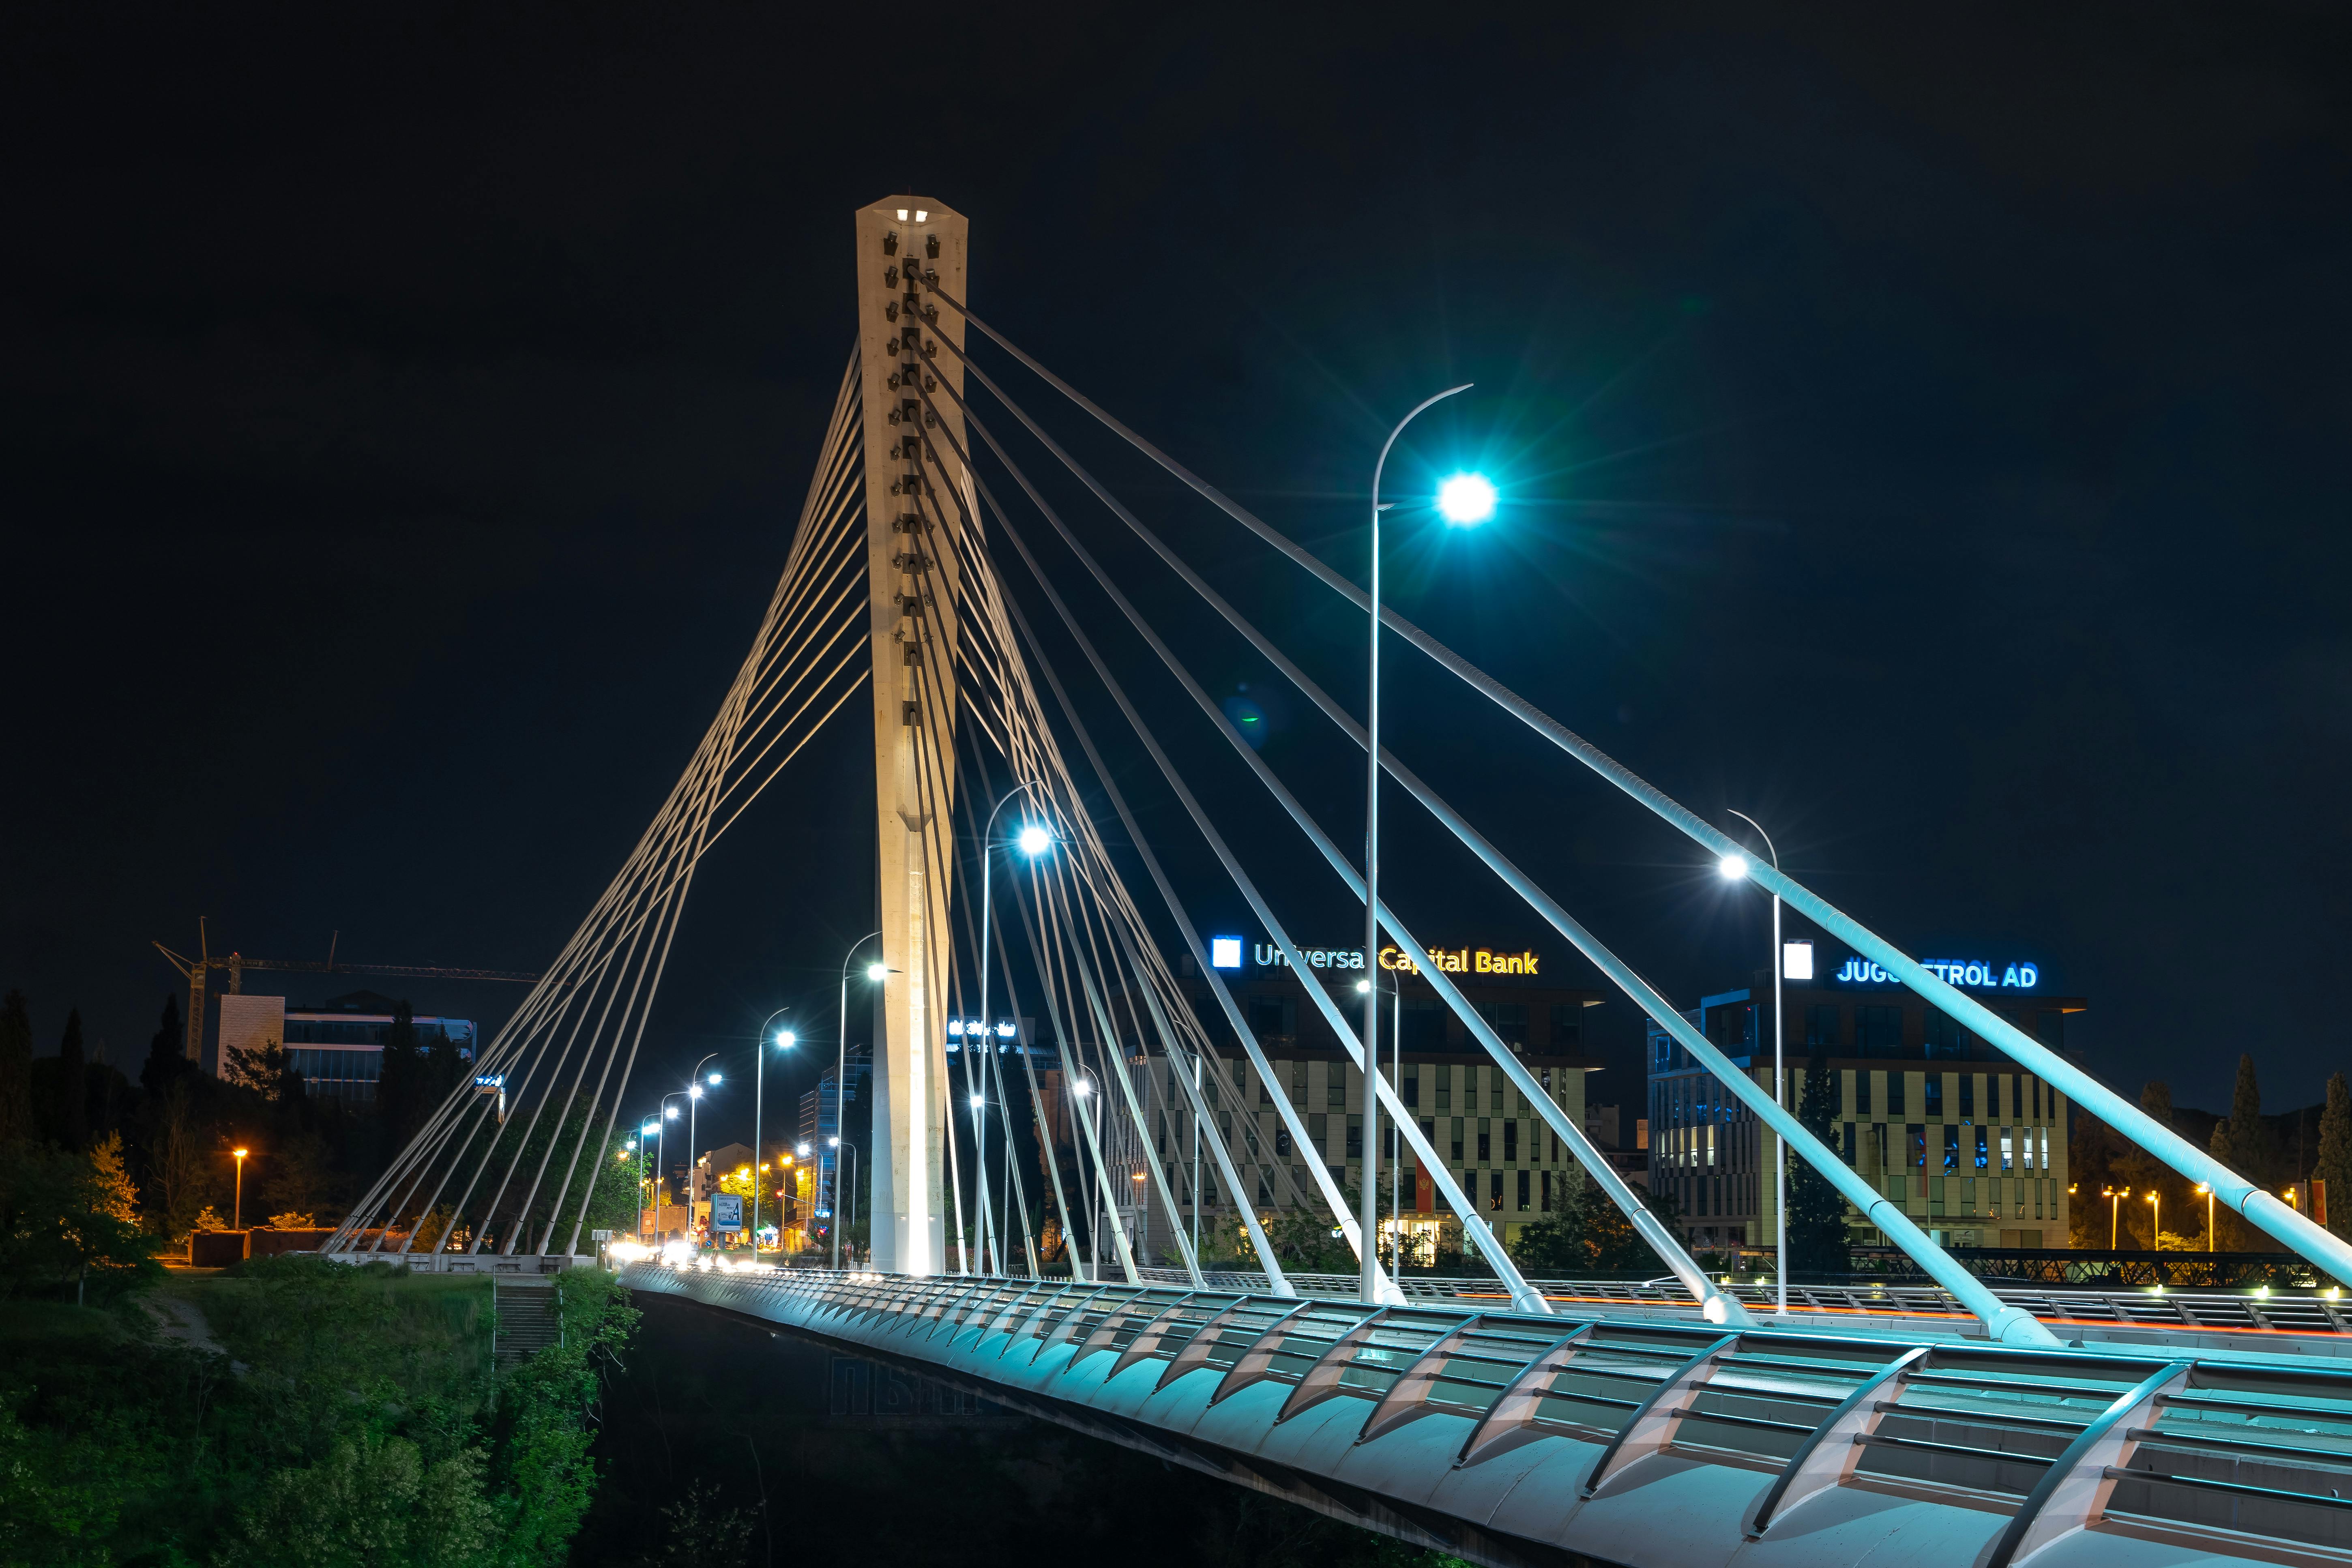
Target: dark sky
x=1925 y=435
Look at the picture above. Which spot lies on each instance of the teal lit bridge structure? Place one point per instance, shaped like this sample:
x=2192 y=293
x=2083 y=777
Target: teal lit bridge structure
x=1684 y=1422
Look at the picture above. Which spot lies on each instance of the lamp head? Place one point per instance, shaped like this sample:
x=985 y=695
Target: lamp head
x=787 y=1039
x=1363 y=986
x=1081 y=1088
x=832 y=1143
x=1034 y=840
x=238 y=1153
x=874 y=972
x=1466 y=501
x=803 y=1151
x=670 y=1111
x=714 y=1081
x=1732 y=867
x=978 y=1100
x=693 y=1093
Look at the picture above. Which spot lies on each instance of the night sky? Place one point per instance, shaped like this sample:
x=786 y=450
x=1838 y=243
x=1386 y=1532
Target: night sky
x=1928 y=437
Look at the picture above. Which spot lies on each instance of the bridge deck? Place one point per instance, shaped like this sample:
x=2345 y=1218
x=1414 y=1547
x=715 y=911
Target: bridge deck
x=1631 y=1438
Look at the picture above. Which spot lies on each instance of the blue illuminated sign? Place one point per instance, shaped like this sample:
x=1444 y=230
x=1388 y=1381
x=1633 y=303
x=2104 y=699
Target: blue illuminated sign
x=1951 y=972
x=1224 y=953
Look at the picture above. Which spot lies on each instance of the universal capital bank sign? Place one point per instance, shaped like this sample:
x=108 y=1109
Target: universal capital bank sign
x=1226 y=953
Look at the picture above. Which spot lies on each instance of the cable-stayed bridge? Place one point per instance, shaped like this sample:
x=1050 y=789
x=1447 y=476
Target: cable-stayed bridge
x=1632 y=1431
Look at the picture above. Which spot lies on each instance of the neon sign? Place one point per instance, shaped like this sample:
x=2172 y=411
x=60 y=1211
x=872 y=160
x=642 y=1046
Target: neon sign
x=1950 y=971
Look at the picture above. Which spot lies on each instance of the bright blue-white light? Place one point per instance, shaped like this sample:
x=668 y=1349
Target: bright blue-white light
x=1731 y=867
x=786 y=1038
x=1466 y=500
x=1034 y=841
x=1224 y=953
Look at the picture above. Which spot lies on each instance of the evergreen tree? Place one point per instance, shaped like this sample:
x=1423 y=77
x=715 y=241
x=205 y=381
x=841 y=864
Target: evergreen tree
x=401 y=1089
x=2250 y=1136
x=16 y=1070
x=167 y=1060
x=1818 y=1243
x=2334 y=1165
x=73 y=1085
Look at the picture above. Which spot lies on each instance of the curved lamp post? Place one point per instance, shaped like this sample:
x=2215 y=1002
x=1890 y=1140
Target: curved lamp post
x=1780 y=1074
x=875 y=973
x=785 y=1040
x=1465 y=498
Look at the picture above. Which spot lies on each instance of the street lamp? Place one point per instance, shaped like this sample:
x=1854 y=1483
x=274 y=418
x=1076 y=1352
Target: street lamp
x=837 y=1143
x=661 y=1153
x=2156 y=1221
x=2114 y=1196
x=647 y=1132
x=693 y=1109
x=236 y=1213
x=1464 y=500
x=1033 y=840
x=785 y=1040
x=1779 y=1073
x=875 y=973
x=2207 y=1188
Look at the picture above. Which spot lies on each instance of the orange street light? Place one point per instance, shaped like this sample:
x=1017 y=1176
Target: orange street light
x=2114 y=1196
x=2207 y=1188
x=237 y=1213
x=2156 y=1225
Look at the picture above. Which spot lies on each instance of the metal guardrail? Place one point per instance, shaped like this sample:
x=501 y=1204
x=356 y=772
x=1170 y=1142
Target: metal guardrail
x=2258 y=1310
x=1598 y=1434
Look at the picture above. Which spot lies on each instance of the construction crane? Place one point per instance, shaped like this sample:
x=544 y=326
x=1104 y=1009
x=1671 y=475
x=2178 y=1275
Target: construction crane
x=237 y=964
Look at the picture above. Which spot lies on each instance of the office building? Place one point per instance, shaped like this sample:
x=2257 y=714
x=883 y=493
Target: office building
x=1969 y=1146
x=337 y=1045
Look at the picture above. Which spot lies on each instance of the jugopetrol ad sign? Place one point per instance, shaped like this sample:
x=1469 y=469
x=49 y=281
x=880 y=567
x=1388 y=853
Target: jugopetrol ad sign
x=726 y=1211
x=1226 y=953
x=1975 y=974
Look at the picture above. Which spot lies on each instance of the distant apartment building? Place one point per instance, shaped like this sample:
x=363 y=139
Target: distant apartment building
x=336 y=1044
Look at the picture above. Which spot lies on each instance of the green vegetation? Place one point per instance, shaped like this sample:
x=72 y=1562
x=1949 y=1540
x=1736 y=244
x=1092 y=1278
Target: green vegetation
x=348 y=1415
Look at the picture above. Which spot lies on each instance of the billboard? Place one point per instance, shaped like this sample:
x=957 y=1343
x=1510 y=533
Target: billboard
x=726 y=1211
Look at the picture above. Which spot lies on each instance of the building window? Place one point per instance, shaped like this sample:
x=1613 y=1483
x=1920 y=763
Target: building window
x=1411 y=1088
x=1523 y=1192
x=1862 y=1093
x=1495 y=1191
x=1511 y=1143
x=1967 y=1097
x=1282 y=1140
x=1445 y=1088
x=1935 y=1106
x=1951 y=1146
x=1457 y=1140
x=1269 y=1015
x=1878 y=1031
x=1299 y=1083
x=1335 y=1087
x=1983 y=1156
x=1355 y=1138
x=1894 y=1094
x=1421 y=1023
x=1822 y=1027
x=1946 y=1042
x=1486 y=1143
x=1566 y=1027
x=1915 y=1134
x=1508 y=1020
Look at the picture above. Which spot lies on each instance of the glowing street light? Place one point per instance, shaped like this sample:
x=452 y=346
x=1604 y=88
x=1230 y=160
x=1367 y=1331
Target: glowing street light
x=1466 y=501
x=237 y=1213
x=877 y=973
x=1731 y=867
x=785 y=1041
x=1034 y=840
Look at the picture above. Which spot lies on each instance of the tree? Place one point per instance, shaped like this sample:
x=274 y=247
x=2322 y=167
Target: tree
x=401 y=1091
x=73 y=1085
x=2143 y=1171
x=2335 y=1161
x=16 y=1068
x=116 y=1195
x=177 y=1160
x=1818 y=1243
x=1590 y=1235
x=167 y=1058
x=301 y=1173
x=268 y=1071
x=2243 y=1142
x=69 y=1222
